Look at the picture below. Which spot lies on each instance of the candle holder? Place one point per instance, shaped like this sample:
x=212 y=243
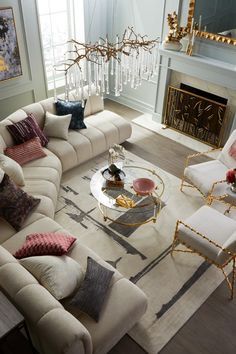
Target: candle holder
x=191 y=41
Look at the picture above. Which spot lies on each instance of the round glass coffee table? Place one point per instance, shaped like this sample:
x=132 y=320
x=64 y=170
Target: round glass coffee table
x=146 y=207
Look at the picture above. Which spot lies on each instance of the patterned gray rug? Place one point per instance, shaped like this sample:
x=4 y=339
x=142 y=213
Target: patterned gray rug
x=176 y=287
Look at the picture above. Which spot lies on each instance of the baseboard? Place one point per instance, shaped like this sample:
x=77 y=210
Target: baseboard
x=132 y=103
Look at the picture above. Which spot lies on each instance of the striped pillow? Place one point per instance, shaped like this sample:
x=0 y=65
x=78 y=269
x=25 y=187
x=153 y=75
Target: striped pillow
x=27 y=129
x=26 y=152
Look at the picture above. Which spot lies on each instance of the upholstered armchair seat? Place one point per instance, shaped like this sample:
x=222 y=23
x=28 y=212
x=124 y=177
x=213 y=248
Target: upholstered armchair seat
x=203 y=175
x=212 y=235
x=215 y=226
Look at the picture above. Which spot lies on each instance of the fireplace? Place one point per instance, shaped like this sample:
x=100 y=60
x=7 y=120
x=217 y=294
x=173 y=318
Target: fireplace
x=196 y=113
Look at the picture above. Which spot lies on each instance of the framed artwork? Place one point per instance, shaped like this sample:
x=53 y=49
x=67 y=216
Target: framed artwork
x=10 y=64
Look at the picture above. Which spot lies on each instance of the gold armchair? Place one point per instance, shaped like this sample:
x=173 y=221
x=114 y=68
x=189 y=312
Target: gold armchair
x=211 y=235
x=207 y=177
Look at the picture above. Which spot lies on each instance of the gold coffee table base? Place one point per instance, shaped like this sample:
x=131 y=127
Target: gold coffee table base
x=103 y=209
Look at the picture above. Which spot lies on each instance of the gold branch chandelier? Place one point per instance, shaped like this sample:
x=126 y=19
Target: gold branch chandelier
x=104 y=63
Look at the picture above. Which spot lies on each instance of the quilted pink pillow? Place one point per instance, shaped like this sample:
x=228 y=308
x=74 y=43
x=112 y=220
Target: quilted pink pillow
x=47 y=243
x=26 y=152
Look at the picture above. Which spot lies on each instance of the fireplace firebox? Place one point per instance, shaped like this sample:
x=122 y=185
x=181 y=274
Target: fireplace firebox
x=196 y=113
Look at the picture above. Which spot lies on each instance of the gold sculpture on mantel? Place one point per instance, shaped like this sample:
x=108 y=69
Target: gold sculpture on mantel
x=176 y=33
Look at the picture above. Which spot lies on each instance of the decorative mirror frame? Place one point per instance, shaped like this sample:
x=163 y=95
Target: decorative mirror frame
x=207 y=35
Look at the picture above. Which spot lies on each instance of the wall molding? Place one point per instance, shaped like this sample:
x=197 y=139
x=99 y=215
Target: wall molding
x=132 y=102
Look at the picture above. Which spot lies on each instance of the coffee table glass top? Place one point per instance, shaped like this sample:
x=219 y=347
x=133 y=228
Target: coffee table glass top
x=106 y=194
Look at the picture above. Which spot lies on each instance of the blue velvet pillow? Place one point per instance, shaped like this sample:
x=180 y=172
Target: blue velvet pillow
x=72 y=107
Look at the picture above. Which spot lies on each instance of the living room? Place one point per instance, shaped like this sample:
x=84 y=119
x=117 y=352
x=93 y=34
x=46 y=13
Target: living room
x=155 y=300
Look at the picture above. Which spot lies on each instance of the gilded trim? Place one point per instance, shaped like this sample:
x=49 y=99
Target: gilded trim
x=207 y=35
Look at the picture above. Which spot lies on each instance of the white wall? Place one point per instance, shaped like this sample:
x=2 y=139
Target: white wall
x=95 y=12
x=148 y=18
x=30 y=86
x=101 y=17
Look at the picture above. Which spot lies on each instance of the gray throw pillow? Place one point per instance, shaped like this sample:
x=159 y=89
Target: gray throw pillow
x=92 y=292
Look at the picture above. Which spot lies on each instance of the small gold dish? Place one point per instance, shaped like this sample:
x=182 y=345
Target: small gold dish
x=125 y=202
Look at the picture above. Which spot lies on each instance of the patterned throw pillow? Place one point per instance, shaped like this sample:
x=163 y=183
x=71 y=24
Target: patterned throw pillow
x=15 y=204
x=93 y=290
x=26 y=152
x=47 y=243
x=27 y=129
x=72 y=107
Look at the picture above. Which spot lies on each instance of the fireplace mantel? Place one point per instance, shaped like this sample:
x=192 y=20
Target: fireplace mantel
x=202 y=67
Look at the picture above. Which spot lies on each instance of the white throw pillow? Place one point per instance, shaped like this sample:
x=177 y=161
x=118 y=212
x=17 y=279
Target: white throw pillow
x=12 y=169
x=1 y=175
x=60 y=275
x=57 y=126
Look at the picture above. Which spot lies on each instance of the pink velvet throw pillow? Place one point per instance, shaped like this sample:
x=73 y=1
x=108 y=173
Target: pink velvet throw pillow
x=47 y=243
x=232 y=150
x=27 y=129
x=26 y=152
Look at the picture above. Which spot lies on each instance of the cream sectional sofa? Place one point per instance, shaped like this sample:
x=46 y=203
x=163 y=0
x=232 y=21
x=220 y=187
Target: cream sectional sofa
x=53 y=328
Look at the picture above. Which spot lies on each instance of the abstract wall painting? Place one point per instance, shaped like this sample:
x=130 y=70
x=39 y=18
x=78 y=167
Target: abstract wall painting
x=10 y=64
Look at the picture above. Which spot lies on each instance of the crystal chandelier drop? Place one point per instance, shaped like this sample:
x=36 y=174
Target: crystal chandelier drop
x=103 y=64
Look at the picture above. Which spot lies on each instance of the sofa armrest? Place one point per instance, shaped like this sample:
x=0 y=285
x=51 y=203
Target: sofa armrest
x=62 y=333
x=53 y=329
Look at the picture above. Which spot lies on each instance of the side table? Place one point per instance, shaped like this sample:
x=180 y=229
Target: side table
x=10 y=320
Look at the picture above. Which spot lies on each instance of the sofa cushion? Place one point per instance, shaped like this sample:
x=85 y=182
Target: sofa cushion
x=115 y=128
x=15 y=204
x=59 y=275
x=12 y=169
x=27 y=129
x=74 y=108
x=26 y=152
x=48 y=243
x=57 y=126
x=92 y=292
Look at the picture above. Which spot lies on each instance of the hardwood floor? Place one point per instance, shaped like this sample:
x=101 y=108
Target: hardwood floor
x=211 y=330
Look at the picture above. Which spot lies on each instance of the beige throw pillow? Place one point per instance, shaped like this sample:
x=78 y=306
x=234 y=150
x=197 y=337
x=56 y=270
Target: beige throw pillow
x=57 y=126
x=60 y=275
x=12 y=169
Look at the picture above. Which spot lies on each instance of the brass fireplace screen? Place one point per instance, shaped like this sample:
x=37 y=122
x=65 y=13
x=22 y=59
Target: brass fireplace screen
x=194 y=115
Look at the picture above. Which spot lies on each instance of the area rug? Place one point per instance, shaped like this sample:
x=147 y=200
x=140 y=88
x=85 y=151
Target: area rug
x=175 y=286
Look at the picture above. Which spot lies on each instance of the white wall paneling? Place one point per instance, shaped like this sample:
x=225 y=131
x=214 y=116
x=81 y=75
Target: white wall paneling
x=30 y=86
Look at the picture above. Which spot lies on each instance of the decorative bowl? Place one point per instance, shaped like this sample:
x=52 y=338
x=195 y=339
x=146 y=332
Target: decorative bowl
x=143 y=186
x=112 y=178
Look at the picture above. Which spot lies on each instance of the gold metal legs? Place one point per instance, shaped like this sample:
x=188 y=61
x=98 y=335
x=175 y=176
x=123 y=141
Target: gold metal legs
x=232 y=258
